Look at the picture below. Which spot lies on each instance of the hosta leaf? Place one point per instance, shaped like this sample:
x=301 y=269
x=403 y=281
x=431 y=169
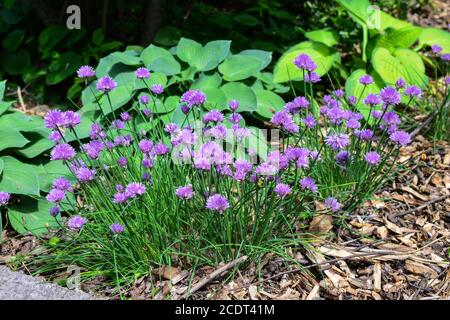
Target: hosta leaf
x=358 y=9
x=286 y=70
x=187 y=49
x=50 y=171
x=389 y=22
x=38 y=146
x=430 y=36
x=403 y=38
x=31 y=215
x=239 y=67
x=268 y=103
x=63 y=68
x=211 y=55
x=215 y=98
x=11 y=138
x=18 y=177
x=264 y=56
x=160 y=60
x=207 y=81
x=241 y=93
x=327 y=36
x=402 y=63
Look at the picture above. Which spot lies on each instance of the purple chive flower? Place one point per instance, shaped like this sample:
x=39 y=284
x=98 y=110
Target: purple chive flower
x=447 y=81
x=342 y=157
x=285 y=121
x=118 y=124
x=84 y=174
x=55 y=136
x=142 y=73
x=146 y=146
x=120 y=197
x=144 y=99
x=235 y=118
x=161 y=149
x=55 y=195
x=62 y=151
x=390 y=96
x=4 y=198
x=365 y=134
x=339 y=93
x=62 y=184
x=106 y=84
x=134 y=189
x=147 y=112
x=185 y=109
x=308 y=183
x=93 y=148
x=213 y=116
x=304 y=62
x=400 y=83
x=54 y=211
x=366 y=79
x=353 y=123
x=147 y=163
x=337 y=141
x=85 y=72
x=352 y=100
x=117 y=228
x=157 y=89
x=76 y=223
x=125 y=116
x=372 y=100
x=193 y=98
x=234 y=105
x=400 y=137
x=171 y=128
x=332 y=204
x=376 y=114
x=391 y=118
x=54 y=119
x=71 y=119
x=445 y=57
x=372 y=158
x=412 y=91
x=96 y=130
x=185 y=192
x=147 y=177
x=119 y=188
x=312 y=77
x=122 y=162
x=217 y=202
x=309 y=121
x=282 y=190
x=436 y=49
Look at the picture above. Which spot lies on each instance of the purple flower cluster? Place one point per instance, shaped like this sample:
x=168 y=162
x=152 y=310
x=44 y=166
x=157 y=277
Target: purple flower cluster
x=55 y=119
x=106 y=84
x=4 y=198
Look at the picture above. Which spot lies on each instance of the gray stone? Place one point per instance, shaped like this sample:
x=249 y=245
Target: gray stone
x=19 y=286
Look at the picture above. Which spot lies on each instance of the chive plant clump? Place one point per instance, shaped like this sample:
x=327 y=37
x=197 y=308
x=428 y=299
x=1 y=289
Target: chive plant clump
x=196 y=193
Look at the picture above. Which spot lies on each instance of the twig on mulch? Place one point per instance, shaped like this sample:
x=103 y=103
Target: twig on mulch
x=423 y=125
x=22 y=104
x=213 y=275
x=426 y=204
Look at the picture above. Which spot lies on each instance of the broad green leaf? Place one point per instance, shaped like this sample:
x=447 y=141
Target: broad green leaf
x=4 y=106
x=167 y=36
x=358 y=9
x=211 y=55
x=2 y=164
x=106 y=64
x=264 y=56
x=389 y=22
x=13 y=40
x=160 y=60
x=430 y=36
x=18 y=177
x=51 y=171
x=62 y=68
x=323 y=56
x=327 y=36
x=241 y=93
x=403 y=38
x=23 y=122
x=119 y=97
x=215 y=98
x=402 y=63
x=2 y=89
x=268 y=103
x=239 y=67
x=31 y=215
x=207 y=81
x=354 y=88
x=36 y=147
x=187 y=49
x=129 y=58
x=51 y=36
x=11 y=138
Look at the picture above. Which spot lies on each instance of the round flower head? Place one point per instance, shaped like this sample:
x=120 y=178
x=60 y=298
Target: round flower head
x=55 y=195
x=185 y=192
x=213 y=116
x=217 y=203
x=337 y=141
x=85 y=72
x=122 y=161
x=445 y=57
x=120 y=197
x=76 y=223
x=161 y=149
x=171 y=128
x=436 y=49
x=55 y=136
x=447 y=81
x=304 y=61
x=282 y=190
x=125 y=116
x=71 y=119
x=142 y=73
x=62 y=184
x=54 y=119
x=62 y=151
x=352 y=100
x=400 y=137
x=54 y=211
x=4 y=198
x=372 y=100
x=147 y=113
x=157 y=89
x=312 y=77
x=308 y=183
x=134 y=189
x=85 y=174
x=412 y=91
x=117 y=228
x=332 y=204
x=365 y=134
x=342 y=157
x=234 y=105
x=146 y=146
x=390 y=96
x=193 y=98
x=144 y=99
x=400 y=83
x=339 y=93
x=106 y=84
x=366 y=79
x=309 y=121
x=372 y=158
x=235 y=118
